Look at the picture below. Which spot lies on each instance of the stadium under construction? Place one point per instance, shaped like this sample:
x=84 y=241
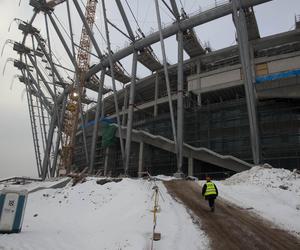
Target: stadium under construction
x=217 y=112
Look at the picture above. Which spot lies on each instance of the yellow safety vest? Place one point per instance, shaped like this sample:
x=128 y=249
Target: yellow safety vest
x=210 y=189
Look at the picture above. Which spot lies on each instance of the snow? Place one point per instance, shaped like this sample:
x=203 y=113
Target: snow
x=111 y=216
x=272 y=193
x=118 y=215
x=164 y=178
x=32 y=185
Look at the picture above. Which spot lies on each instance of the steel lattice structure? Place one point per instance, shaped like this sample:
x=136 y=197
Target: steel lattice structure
x=58 y=99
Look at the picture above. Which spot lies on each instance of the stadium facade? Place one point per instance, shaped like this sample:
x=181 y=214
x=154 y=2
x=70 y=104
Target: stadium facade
x=215 y=109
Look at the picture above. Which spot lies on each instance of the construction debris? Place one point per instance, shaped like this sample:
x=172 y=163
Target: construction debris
x=104 y=181
x=78 y=177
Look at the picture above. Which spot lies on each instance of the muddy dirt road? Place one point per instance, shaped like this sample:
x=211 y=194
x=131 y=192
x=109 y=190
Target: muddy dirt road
x=231 y=227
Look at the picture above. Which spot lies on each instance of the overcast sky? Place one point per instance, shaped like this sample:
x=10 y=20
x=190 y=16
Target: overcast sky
x=16 y=147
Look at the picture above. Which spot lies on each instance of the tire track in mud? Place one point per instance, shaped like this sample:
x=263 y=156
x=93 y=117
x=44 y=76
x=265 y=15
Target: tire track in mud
x=231 y=227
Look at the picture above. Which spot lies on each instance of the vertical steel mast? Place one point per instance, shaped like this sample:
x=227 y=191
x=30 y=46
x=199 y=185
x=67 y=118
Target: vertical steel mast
x=78 y=92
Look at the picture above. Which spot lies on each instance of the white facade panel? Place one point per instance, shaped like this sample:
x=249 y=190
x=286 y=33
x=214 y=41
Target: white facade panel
x=193 y=83
x=284 y=65
x=198 y=84
x=217 y=79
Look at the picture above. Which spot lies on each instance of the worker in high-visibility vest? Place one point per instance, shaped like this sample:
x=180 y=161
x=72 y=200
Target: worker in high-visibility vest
x=210 y=192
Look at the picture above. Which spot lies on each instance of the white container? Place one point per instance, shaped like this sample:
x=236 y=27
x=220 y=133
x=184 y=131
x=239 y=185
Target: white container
x=12 y=208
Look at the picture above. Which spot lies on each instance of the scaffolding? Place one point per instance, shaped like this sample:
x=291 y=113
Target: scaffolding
x=148 y=59
x=191 y=44
x=222 y=127
x=218 y=120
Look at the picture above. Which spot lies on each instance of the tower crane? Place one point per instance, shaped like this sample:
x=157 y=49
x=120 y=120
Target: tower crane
x=77 y=93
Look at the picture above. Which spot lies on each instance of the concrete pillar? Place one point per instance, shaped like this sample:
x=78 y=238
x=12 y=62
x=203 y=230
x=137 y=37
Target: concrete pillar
x=130 y=111
x=103 y=109
x=198 y=72
x=199 y=100
x=141 y=159
x=191 y=167
x=106 y=161
x=156 y=95
x=180 y=109
x=125 y=107
x=96 y=125
x=198 y=67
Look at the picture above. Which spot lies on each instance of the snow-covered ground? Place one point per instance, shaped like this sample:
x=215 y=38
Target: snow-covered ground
x=33 y=185
x=118 y=215
x=270 y=192
x=112 y=216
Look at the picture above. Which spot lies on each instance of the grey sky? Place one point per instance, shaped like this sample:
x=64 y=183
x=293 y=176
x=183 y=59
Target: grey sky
x=16 y=147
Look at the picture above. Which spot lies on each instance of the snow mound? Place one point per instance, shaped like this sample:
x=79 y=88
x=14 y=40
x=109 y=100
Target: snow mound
x=272 y=193
x=107 y=217
x=164 y=177
x=268 y=177
x=35 y=185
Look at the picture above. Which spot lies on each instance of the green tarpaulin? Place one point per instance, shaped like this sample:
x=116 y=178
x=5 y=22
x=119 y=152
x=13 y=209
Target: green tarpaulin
x=108 y=135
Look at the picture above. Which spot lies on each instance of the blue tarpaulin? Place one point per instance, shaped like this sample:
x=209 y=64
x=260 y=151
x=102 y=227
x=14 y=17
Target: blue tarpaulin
x=103 y=120
x=276 y=76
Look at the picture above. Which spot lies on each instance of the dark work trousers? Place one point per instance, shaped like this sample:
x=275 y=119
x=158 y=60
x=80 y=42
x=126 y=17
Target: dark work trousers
x=211 y=201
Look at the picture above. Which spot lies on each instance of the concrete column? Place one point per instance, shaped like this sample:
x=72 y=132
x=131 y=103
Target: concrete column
x=103 y=109
x=198 y=72
x=125 y=107
x=106 y=161
x=156 y=95
x=180 y=109
x=198 y=67
x=130 y=111
x=96 y=125
x=141 y=159
x=199 y=99
x=191 y=167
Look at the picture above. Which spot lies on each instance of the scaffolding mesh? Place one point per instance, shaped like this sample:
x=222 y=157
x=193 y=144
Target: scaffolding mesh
x=222 y=127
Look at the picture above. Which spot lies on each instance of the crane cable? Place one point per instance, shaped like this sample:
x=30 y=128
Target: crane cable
x=76 y=45
x=133 y=15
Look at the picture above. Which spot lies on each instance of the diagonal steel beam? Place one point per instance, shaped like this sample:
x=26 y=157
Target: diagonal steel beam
x=41 y=76
x=42 y=97
x=192 y=21
x=88 y=29
x=111 y=65
x=166 y=75
x=61 y=38
x=125 y=20
x=175 y=9
x=49 y=59
x=55 y=120
x=59 y=135
x=249 y=81
x=130 y=112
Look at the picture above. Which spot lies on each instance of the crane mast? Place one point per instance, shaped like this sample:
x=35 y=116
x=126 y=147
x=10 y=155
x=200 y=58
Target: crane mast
x=77 y=93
